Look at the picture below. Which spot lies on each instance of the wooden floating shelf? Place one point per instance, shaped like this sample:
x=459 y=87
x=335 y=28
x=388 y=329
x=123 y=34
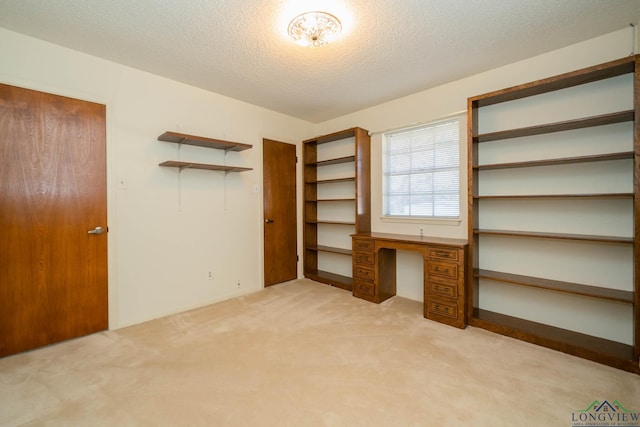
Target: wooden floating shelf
x=201 y=141
x=563 y=161
x=203 y=166
x=558 y=286
x=559 y=236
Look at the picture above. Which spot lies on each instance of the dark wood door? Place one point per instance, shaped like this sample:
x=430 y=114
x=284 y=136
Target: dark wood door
x=280 y=229
x=53 y=272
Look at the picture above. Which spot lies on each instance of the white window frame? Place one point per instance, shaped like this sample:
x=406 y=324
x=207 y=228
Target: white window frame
x=387 y=136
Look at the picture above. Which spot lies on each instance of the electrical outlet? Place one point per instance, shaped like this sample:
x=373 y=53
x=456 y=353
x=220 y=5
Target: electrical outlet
x=210 y=275
x=238 y=284
x=421 y=232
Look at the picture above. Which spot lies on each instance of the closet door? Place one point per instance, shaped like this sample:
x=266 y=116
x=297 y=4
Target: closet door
x=279 y=199
x=53 y=219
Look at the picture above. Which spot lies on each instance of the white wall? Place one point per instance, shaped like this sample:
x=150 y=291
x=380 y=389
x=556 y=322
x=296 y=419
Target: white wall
x=166 y=230
x=450 y=98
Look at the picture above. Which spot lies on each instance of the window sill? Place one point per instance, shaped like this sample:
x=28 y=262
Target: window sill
x=418 y=220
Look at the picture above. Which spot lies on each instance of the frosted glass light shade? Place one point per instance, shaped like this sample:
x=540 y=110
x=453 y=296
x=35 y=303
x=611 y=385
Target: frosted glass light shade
x=314 y=29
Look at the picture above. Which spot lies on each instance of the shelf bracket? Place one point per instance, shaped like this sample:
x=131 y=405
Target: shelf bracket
x=225 y=179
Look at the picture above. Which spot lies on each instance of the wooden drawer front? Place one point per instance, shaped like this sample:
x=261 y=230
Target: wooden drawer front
x=443 y=308
x=363 y=272
x=361 y=288
x=444 y=289
x=363 y=245
x=444 y=269
x=443 y=253
x=365 y=258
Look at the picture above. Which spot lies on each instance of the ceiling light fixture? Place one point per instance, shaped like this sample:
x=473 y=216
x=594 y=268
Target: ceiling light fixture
x=314 y=29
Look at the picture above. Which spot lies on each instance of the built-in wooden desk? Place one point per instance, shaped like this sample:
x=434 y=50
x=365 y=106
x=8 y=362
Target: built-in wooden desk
x=374 y=272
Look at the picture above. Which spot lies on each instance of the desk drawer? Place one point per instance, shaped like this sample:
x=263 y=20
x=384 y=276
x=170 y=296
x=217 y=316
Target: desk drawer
x=443 y=253
x=443 y=269
x=442 y=308
x=363 y=272
x=363 y=289
x=363 y=245
x=444 y=289
x=364 y=258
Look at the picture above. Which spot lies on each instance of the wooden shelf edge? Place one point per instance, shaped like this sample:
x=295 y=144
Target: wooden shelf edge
x=202 y=166
x=558 y=286
x=339 y=160
x=609 y=69
x=201 y=141
x=559 y=196
x=560 y=161
x=321 y=248
x=612 y=353
x=329 y=200
x=600 y=120
x=330 y=222
x=336 y=136
x=331 y=181
x=557 y=236
x=333 y=279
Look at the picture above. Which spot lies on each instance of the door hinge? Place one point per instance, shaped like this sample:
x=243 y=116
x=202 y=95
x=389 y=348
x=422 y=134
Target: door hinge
x=297 y=258
x=296 y=159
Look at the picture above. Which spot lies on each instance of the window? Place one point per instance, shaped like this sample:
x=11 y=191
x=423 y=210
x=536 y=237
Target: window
x=421 y=171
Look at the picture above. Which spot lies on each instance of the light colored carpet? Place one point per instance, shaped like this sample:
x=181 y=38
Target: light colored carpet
x=302 y=354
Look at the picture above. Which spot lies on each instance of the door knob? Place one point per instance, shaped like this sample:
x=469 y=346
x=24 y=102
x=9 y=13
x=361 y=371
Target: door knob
x=97 y=230
x=268 y=220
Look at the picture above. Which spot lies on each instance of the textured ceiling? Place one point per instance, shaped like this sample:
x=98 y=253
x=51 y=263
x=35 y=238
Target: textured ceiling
x=390 y=48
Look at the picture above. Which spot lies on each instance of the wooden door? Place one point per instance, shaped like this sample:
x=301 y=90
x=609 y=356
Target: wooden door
x=53 y=273
x=280 y=229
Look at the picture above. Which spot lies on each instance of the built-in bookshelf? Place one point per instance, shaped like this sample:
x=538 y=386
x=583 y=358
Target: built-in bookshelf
x=337 y=203
x=554 y=213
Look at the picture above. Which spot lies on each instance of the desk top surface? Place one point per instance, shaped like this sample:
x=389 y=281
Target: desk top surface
x=413 y=239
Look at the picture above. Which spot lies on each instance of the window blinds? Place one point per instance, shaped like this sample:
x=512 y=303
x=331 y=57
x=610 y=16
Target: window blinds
x=421 y=171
